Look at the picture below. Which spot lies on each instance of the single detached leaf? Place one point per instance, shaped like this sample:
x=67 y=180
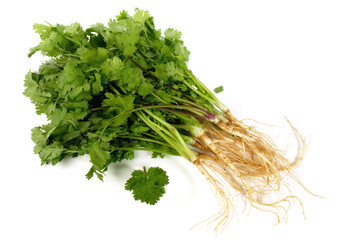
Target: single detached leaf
x=147 y=186
x=219 y=89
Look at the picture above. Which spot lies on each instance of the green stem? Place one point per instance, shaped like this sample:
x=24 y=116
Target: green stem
x=209 y=94
x=98 y=108
x=134 y=110
x=192 y=129
x=121 y=115
x=186 y=101
x=198 y=111
x=71 y=151
x=150 y=135
x=175 y=133
x=146 y=139
x=147 y=149
x=164 y=133
x=198 y=92
x=159 y=98
x=170 y=137
x=114 y=89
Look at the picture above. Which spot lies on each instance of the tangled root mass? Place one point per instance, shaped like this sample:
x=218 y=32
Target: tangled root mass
x=243 y=160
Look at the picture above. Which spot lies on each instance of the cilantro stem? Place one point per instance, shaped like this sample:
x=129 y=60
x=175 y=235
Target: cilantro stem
x=114 y=89
x=159 y=98
x=71 y=151
x=168 y=137
x=134 y=110
x=197 y=91
x=192 y=129
x=175 y=135
x=208 y=94
x=121 y=115
x=162 y=129
x=99 y=108
x=211 y=97
x=142 y=68
x=184 y=113
x=194 y=110
x=175 y=153
x=207 y=112
x=146 y=139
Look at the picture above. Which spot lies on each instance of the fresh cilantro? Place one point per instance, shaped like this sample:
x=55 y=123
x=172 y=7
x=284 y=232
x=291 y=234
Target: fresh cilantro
x=219 y=89
x=52 y=153
x=98 y=155
x=157 y=154
x=110 y=90
x=97 y=84
x=172 y=34
x=118 y=103
x=147 y=185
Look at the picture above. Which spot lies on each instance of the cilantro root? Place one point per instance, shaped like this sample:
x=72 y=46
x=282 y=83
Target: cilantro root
x=109 y=91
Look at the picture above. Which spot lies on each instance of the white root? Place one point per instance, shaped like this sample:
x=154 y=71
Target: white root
x=249 y=163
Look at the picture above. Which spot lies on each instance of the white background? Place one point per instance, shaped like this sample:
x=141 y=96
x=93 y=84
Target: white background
x=274 y=59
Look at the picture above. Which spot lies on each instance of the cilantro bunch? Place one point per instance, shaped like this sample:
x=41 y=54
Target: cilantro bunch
x=110 y=90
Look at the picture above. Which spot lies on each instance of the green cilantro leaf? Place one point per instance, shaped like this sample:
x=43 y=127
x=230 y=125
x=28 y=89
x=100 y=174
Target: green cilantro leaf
x=140 y=16
x=160 y=72
x=139 y=127
x=95 y=171
x=98 y=155
x=173 y=70
x=219 y=89
x=52 y=153
x=119 y=103
x=122 y=15
x=33 y=90
x=111 y=67
x=172 y=34
x=100 y=89
x=157 y=154
x=97 y=85
x=145 y=89
x=147 y=186
x=131 y=78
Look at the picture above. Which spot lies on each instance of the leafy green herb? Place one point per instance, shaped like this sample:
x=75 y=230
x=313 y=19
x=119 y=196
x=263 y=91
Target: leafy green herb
x=114 y=89
x=219 y=89
x=98 y=155
x=108 y=91
x=148 y=185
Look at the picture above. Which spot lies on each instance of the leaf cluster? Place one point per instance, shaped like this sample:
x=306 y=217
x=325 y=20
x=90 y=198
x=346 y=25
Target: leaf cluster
x=110 y=90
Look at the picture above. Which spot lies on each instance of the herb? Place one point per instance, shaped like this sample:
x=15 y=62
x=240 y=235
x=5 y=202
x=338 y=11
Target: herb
x=147 y=185
x=219 y=89
x=114 y=89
